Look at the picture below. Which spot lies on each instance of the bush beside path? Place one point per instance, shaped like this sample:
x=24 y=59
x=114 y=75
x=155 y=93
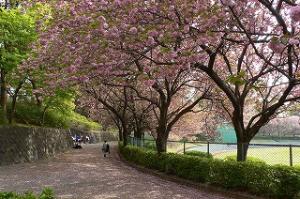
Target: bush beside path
x=86 y=174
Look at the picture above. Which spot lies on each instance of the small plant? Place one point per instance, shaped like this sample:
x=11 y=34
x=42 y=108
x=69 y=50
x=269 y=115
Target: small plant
x=47 y=193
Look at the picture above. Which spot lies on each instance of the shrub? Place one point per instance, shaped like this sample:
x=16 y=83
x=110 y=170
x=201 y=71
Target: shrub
x=199 y=154
x=151 y=145
x=249 y=159
x=188 y=167
x=228 y=174
x=297 y=167
x=253 y=176
x=258 y=177
x=288 y=184
x=46 y=194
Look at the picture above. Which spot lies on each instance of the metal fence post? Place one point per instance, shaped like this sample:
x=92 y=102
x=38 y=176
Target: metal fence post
x=207 y=149
x=291 y=155
x=183 y=147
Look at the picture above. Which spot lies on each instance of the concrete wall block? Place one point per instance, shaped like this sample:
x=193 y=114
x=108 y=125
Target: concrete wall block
x=26 y=144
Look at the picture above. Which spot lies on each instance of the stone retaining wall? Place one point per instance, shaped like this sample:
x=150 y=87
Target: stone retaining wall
x=26 y=144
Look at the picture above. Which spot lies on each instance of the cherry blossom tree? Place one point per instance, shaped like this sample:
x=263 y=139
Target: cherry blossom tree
x=257 y=64
x=248 y=49
x=102 y=49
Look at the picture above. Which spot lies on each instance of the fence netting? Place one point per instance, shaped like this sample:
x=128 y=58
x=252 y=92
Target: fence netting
x=286 y=154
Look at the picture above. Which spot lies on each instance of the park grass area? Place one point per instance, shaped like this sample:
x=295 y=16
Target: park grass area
x=178 y=147
x=271 y=155
x=172 y=147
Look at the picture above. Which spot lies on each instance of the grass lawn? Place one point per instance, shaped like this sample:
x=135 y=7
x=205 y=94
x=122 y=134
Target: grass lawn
x=177 y=147
x=271 y=155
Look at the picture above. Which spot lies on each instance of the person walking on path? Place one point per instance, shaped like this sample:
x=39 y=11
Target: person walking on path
x=105 y=148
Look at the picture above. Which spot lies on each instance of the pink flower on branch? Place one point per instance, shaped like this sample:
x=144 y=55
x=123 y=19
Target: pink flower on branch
x=295 y=13
x=276 y=46
x=228 y=2
x=133 y=31
x=71 y=69
x=293 y=41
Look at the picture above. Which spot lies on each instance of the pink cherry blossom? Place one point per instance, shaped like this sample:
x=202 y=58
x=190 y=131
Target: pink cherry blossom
x=295 y=13
x=228 y=2
x=133 y=30
x=293 y=41
x=71 y=69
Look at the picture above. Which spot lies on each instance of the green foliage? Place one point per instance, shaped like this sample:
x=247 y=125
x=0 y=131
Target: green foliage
x=77 y=120
x=198 y=154
x=2 y=117
x=188 y=167
x=30 y=114
x=47 y=193
x=17 y=31
x=253 y=176
x=149 y=144
x=249 y=159
x=289 y=181
x=226 y=174
x=238 y=79
x=56 y=111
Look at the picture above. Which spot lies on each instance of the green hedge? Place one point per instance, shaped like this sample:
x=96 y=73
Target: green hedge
x=46 y=194
x=149 y=144
x=251 y=176
x=199 y=154
x=249 y=159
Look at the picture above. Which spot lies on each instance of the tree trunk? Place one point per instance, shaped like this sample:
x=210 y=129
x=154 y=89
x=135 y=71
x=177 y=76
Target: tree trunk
x=242 y=136
x=44 y=115
x=138 y=133
x=125 y=134
x=120 y=135
x=120 y=132
x=125 y=138
x=37 y=96
x=242 y=150
x=3 y=98
x=13 y=109
x=161 y=143
x=14 y=102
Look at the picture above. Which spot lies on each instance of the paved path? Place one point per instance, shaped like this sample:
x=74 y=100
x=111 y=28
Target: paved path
x=86 y=174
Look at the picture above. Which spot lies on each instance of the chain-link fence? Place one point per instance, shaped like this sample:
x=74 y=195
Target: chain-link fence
x=286 y=154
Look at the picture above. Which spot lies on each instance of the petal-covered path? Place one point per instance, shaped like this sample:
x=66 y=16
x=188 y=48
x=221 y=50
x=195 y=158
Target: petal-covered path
x=86 y=174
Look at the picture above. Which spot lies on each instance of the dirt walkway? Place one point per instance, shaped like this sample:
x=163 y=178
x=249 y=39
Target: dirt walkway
x=86 y=174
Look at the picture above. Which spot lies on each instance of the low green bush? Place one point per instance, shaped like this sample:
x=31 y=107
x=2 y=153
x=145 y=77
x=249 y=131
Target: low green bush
x=199 y=154
x=46 y=194
x=188 y=167
x=288 y=181
x=151 y=145
x=252 y=176
x=297 y=166
x=249 y=159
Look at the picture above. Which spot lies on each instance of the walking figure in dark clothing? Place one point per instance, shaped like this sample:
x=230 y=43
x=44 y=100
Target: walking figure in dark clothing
x=105 y=148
